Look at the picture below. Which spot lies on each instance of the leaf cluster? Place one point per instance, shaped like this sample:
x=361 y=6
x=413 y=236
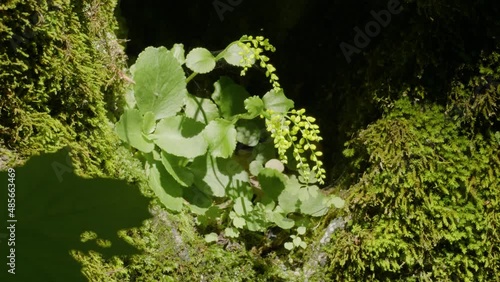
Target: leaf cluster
x=212 y=155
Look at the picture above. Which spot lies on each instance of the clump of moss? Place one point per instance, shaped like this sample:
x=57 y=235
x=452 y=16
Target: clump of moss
x=173 y=251
x=426 y=205
x=61 y=82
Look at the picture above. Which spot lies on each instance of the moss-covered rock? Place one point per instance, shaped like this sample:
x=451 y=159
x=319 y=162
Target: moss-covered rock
x=426 y=207
x=174 y=251
x=61 y=75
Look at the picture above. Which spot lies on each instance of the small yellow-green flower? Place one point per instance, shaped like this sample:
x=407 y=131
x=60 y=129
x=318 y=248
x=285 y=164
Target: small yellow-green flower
x=285 y=137
x=252 y=51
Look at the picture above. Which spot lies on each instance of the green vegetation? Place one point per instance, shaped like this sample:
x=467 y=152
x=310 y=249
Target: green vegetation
x=426 y=205
x=411 y=136
x=188 y=143
x=61 y=83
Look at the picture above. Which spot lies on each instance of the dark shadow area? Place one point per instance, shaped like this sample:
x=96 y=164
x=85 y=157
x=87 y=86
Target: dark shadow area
x=53 y=207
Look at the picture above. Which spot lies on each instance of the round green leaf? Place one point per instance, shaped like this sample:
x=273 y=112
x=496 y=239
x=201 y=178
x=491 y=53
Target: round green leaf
x=301 y=230
x=265 y=151
x=296 y=241
x=200 y=60
x=256 y=223
x=215 y=175
x=201 y=109
x=168 y=191
x=232 y=55
x=254 y=105
x=230 y=97
x=275 y=164
x=288 y=199
x=180 y=136
x=272 y=182
x=176 y=167
x=129 y=129
x=281 y=221
x=239 y=222
x=277 y=101
x=337 y=202
x=231 y=232
x=148 y=123
x=255 y=167
x=242 y=206
x=198 y=201
x=160 y=83
x=178 y=53
x=315 y=204
x=211 y=237
x=303 y=245
x=220 y=135
x=249 y=131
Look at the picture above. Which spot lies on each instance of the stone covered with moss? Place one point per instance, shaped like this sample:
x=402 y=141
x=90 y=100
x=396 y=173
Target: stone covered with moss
x=61 y=76
x=426 y=204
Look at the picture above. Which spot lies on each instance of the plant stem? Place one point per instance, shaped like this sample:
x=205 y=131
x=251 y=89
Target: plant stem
x=191 y=77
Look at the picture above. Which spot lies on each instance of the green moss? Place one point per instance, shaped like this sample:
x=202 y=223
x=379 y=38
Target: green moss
x=426 y=206
x=61 y=67
x=475 y=100
x=173 y=251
